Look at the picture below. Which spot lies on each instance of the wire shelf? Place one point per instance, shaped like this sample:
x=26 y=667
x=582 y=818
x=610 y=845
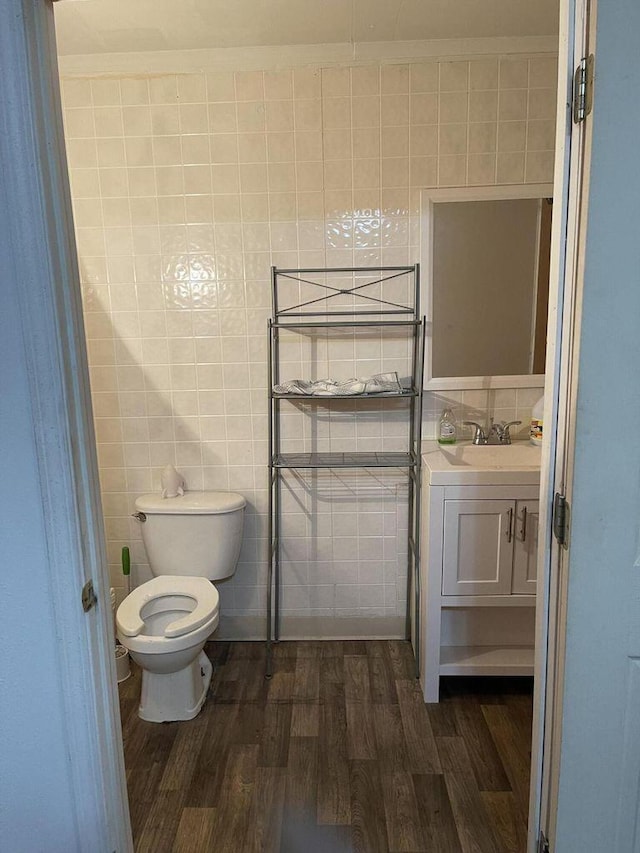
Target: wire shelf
x=406 y=393
x=387 y=301
x=344 y=460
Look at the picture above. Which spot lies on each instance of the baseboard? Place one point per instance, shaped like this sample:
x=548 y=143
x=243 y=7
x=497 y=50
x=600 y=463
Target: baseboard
x=313 y=628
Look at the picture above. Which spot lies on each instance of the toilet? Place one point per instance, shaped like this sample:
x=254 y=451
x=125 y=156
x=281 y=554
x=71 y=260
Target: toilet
x=191 y=540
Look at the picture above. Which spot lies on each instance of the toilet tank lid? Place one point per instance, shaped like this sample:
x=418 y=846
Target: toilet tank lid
x=191 y=503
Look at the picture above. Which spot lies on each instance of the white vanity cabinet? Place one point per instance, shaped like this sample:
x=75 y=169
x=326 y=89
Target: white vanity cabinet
x=489 y=547
x=478 y=569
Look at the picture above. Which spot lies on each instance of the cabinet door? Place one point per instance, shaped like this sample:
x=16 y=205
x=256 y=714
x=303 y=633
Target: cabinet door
x=525 y=551
x=478 y=547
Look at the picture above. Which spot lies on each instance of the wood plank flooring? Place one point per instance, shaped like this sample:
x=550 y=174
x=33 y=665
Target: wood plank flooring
x=337 y=753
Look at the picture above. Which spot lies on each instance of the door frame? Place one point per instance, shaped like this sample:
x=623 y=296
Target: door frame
x=571 y=188
x=35 y=109
x=47 y=290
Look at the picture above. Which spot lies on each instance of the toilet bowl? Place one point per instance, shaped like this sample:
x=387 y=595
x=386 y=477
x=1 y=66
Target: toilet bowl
x=164 y=623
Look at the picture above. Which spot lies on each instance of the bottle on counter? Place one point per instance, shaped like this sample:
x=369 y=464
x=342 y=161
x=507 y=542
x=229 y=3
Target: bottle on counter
x=535 y=430
x=447 y=430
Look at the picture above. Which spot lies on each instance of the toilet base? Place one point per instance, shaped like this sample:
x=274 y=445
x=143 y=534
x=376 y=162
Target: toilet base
x=166 y=697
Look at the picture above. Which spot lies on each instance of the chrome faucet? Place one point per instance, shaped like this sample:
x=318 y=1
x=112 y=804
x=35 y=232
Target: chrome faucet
x=479 y=435
x=499 y=433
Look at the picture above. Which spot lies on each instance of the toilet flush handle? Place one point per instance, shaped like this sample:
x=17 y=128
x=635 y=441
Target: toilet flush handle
x=139 y=515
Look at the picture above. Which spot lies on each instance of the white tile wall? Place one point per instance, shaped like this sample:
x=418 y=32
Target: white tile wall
x=186 y=188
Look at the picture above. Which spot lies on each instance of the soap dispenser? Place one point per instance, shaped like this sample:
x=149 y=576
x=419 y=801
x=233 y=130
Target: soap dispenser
x=447 y=431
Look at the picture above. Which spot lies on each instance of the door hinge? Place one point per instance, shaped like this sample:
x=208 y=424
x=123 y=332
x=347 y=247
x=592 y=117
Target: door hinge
x=543 y=843
x=583 y=89
x=560 y=518
x=89 y=597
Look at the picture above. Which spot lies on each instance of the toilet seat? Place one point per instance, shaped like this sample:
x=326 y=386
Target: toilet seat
x=201 y=590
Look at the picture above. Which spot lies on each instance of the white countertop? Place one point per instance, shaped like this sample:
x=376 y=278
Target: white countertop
x=487 y=465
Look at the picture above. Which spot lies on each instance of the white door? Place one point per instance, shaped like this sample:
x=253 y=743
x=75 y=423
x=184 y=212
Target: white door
x=525 y=552
x=59 y=691
x=478 y=547
x=563 y=319
x=591 y=782
x=597 y=771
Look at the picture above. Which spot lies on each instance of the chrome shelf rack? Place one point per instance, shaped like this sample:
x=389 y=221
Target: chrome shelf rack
x=327 y=311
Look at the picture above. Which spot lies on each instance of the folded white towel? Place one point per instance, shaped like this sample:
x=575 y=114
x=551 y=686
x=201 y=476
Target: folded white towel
x=381 y=383
x=339 y=389
x=294 y=386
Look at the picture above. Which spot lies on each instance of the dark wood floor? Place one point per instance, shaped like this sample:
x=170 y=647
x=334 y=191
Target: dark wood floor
x=337 y=752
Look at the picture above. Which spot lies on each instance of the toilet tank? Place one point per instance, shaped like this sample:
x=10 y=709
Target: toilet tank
x=197 y=534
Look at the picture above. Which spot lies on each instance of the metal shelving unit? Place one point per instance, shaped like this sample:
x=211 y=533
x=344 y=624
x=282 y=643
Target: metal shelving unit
x=356 y=308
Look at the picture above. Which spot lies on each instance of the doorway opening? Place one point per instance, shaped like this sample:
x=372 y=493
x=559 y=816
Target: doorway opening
x=187 y=184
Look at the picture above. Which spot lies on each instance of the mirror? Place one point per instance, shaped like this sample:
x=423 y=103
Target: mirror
x=485 y=257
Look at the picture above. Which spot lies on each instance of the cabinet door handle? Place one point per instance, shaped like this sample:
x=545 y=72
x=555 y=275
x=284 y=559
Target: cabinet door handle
x=524 y=524
x=510 y=527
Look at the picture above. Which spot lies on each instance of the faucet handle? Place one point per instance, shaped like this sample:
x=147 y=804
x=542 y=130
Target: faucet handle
x=506 y=435
x=479 y=436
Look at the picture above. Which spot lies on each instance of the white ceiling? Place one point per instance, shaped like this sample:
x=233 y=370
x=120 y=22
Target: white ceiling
x=115 y=26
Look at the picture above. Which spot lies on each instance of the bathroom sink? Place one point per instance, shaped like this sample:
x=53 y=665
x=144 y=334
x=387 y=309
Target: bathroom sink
x=466 y=463
x=521 y=454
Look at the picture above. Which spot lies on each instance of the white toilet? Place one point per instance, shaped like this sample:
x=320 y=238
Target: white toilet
x=190 y=540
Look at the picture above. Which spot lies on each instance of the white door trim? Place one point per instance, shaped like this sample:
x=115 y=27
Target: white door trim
x=52 y=321
x=562 y=341
x=44 y=254
x=574 y=273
